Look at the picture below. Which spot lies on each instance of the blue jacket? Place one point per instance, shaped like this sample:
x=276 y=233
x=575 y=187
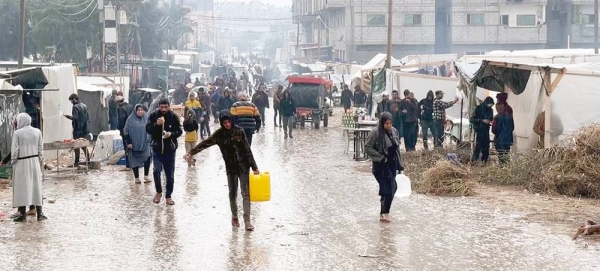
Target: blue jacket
x=503 y=128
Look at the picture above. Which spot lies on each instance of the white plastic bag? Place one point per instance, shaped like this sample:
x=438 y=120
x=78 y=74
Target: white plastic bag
x=404 y=188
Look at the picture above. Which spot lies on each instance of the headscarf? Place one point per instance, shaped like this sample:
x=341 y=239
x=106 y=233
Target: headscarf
x=136 y=129
x=383 y=133
x=23 y=119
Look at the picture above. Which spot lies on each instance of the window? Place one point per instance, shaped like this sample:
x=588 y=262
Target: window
x=525 y=20
x=504 y=20
x=376 y=19
x=476 y=19
x=412 y=19
x=588 y=19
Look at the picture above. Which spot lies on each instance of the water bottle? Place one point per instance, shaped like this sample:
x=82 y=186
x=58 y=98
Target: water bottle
x=404 y=187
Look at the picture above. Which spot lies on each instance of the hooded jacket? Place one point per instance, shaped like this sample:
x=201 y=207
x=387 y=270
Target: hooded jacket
x=233 y=144
x=172 y=124
x=125 y=111
x=427 y=107
x=190 y=127
x=261 y=99
x=287 y=107
x=226 y=101
x=483 y=112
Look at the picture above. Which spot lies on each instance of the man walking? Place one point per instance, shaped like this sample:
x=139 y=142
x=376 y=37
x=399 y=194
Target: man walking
x=287 y=110
x=164 y=128
x=360 y=98
x=113 y=115
x=427 y=118
x=79 y=118
x=410 y=113
x=276 y=102
x=124 y=111
x=238 y=158
x=439 y=116
x=246 y=115
x=261 y=100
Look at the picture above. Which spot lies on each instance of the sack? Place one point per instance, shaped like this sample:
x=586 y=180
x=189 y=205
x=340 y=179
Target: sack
x=404 y=186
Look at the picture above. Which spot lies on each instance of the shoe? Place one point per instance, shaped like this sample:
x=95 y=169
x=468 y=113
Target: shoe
x=285 y=136
x=291 y=136
x=235 y=222
x=170 y=201
x=41 y=217
x=20 y=218
x=157 y=198
x=138 y=181
x=31 y=212
x=147 y=179
x=15 y=215
x=249 y=226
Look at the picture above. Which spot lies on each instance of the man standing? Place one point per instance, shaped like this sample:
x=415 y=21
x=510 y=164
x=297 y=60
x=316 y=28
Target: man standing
x=246 y=115
x=410 y=113
x=384 y=105
x=346 y=98
x=287 y=110
x=238 y=158
x=164 y=128
x=427 y=118
x=113 y=116
x=276 y=101
x=261 y=100
x=397 y=114
x=482 y=120
x=124 y=111
x=439 y=116
x=206 y=104
x=79 y=118
x=360 y=98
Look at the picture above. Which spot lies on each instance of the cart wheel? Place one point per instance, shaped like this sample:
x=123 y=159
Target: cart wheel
x=302 y=120
x=317 y=122
x=325 y=120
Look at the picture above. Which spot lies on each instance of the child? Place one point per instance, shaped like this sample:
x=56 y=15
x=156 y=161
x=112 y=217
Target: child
x=190 y=126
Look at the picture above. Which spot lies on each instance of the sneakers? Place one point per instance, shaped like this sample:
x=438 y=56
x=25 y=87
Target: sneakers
x=291 y=136
x=138 y=181
x=41 y=217
x=147 y=179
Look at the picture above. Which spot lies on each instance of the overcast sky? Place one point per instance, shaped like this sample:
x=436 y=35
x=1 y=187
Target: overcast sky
x=273 y=2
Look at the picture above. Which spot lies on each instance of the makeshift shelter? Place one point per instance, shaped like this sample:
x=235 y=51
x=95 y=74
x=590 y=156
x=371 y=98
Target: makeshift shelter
x=95 y=100
x=565 y=92
x=120 y=83
x=11 y=104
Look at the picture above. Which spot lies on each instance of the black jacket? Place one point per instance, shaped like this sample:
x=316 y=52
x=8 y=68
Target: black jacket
x=427 y=109
x=287 y=107
x=347 y=97
x=190 y=126
x=412 y=111
x=124 y=112
x=80 y=119
x=225 y=103
x=483 y=112
x=112 y=108
x=172 y=124
x=360 y=97
x=261 y=99
x=234 y=147
x=384 y=106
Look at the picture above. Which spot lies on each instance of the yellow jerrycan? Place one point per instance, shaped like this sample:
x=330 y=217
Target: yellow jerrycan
x=260 y=187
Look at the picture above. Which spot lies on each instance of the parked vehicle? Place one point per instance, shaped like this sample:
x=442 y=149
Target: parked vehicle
x=309 y=94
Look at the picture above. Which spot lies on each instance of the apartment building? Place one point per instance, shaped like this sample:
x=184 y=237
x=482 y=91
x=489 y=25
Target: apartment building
x=356 y=30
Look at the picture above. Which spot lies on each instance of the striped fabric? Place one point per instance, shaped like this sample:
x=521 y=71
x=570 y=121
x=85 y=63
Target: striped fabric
x=246 y=114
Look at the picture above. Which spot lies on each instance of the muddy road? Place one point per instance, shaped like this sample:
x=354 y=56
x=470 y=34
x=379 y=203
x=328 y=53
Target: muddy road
x=323 y=215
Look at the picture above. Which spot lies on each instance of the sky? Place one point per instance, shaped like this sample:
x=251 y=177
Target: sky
x=273 y=2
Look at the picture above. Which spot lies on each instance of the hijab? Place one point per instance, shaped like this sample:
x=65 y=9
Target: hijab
x=384 y=135
x=136 y=129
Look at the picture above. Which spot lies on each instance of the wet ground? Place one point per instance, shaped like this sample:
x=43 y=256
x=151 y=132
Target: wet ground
x=323 y=215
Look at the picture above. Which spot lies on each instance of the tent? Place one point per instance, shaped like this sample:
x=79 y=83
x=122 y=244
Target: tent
x=11 y=104
x=567 y=93
x=95 y=100
x=377 y=62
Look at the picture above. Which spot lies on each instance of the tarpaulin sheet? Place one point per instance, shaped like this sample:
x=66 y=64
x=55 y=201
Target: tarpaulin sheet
x=307 y=95
x=494 y=78
x=97 y=112
x=10 y=105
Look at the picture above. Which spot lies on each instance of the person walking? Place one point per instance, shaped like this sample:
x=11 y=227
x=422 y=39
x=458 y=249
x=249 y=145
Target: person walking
x=383 y=147
x=481 y=119
x=113 y=115
x=226 y=101
x=276 y=108
x=439 y=116
x=410 y=116
x=261 y=100
x=206 y=104
x=138 y=143
x=502 y=128
x=287 y=109
x=79 y=118
x=246 y=115
x=238 y=158
x=124 y=111
x=193 y=104
x=427 y=119
x=190 y=127
x=383 y=106
x=346 y=98
x=27 y=158
x=164 y=128
x=360 y=97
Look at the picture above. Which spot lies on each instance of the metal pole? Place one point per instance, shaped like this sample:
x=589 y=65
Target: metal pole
x=118 y=21
x=388 y=62
x=596 y=26
x=318 y=38
x=21 y=51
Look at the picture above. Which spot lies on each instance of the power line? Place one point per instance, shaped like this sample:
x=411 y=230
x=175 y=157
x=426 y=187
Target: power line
x=65 y=5
x=77 y=21
x=89 y=4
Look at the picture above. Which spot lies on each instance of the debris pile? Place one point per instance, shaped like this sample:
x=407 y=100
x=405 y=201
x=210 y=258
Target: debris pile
x=447 y=179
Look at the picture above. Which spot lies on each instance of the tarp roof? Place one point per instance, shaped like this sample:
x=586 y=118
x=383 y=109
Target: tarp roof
x=378 y=62
x=94 y=80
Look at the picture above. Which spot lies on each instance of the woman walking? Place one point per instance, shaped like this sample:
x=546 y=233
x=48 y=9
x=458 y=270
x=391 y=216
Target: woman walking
x=27 y=150
x=190 y=127
x=138 y=143
x=383 y=147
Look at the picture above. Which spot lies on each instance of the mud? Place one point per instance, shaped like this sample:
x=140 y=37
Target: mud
x=323 y=215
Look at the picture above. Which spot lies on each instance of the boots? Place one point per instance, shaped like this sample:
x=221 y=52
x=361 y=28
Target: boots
x=21 y=217
x=40 y=214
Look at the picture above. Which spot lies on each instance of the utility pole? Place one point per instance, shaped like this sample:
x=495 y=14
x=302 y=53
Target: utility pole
x=21 y=51
x=118 y=22
x=298 y=38
x=318 y=38
x=596 y=26
x=388 y=61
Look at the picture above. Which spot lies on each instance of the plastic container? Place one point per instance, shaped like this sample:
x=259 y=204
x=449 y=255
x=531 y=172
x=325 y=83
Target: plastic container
x=260 y=187
x=404 y=188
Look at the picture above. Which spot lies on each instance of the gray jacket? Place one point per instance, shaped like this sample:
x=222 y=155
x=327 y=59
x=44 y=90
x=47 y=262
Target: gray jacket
x=375 y=149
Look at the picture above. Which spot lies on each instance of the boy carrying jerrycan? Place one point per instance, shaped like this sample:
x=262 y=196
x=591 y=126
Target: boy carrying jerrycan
x=238 y=162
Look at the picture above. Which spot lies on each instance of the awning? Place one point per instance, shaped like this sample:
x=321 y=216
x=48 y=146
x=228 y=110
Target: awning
x=28 y=78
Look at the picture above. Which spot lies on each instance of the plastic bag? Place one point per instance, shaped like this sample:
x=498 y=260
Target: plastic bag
x=404 y=187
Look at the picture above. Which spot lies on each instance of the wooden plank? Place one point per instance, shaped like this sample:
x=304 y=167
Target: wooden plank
x=555 y=83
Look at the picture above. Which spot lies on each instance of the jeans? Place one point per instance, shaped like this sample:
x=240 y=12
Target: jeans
x=276 y=110
x=482 y=146
x=410 y=140
x=249 y=133
x=244 y=183
x=261 y=111
x=427 y=125
x=87 y=154
x=438 y=132
x=288 y=123
x=136 y=170
x=204 y=126
x=166 y=161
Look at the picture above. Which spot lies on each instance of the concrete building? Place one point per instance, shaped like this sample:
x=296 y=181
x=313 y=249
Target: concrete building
x=356 y=30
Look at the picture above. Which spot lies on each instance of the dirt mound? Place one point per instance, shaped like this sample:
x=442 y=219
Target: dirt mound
x=571 y=168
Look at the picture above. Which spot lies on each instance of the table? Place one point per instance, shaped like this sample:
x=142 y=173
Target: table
x=359 y=141
x=68 y=146
x=367 y=123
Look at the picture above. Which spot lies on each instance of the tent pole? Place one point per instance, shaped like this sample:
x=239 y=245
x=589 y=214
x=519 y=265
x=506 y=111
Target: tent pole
x=548 y=109
x=462 y=103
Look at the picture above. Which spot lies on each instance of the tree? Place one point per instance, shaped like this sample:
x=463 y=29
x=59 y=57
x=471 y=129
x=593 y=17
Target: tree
x=9 y=32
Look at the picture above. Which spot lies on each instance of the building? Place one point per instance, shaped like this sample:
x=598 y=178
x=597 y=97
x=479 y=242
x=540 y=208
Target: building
x=356 y=30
